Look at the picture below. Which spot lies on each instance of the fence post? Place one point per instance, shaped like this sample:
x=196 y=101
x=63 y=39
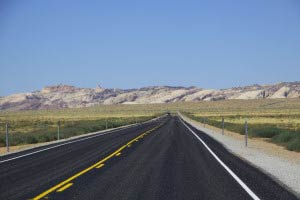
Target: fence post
x=246 y=133
x=6 y=135
x=222 y=125
x=106 y=123
x=58 y=130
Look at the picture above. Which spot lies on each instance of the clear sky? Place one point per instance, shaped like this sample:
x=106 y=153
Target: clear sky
x=131 y=44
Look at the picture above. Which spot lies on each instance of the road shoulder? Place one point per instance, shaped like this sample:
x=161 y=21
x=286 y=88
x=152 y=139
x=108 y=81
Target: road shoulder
x=281 y=164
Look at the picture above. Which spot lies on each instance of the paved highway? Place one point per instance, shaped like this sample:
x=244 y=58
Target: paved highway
x=164 y=159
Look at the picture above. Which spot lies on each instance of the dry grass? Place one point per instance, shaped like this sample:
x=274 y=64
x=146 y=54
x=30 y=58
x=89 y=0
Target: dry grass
x=278 y=120
x=281 y=113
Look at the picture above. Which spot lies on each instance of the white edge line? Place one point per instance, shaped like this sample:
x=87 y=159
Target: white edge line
x=14 y=158
x=244 y=186
x=85 y=138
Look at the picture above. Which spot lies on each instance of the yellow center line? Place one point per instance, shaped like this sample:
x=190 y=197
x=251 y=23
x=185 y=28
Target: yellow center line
x=99 y=166
x=67 y=181
x=64 y=187
x=118 y=154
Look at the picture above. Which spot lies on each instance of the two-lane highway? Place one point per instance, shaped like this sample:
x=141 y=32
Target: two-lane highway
x=171 y=160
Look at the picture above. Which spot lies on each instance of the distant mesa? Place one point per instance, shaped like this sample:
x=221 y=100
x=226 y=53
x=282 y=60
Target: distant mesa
x=66 y=96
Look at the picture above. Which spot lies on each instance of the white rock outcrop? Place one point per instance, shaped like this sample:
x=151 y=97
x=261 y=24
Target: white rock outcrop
x=65 y=96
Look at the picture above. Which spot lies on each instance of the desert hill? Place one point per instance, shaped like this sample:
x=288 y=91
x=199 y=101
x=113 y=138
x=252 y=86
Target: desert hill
x=65 y=96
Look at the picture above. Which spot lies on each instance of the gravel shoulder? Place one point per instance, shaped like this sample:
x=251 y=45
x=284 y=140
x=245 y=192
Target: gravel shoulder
x=274 y=160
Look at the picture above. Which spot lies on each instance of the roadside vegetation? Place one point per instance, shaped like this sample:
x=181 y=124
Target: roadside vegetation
x=30 y=127
x=278 y=120
x=282 y=129
x=36 y=131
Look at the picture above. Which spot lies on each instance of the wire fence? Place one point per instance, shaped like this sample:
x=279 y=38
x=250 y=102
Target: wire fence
x=32 y=132
x=285 y=134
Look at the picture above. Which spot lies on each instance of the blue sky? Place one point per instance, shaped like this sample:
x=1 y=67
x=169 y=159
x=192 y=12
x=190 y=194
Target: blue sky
x=131 y=44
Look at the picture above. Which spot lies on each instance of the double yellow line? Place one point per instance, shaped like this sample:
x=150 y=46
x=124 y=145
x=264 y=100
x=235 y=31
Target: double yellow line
x=66 y=184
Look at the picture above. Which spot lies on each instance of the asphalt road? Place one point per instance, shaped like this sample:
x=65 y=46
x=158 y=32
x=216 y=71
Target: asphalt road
x=159 y=160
